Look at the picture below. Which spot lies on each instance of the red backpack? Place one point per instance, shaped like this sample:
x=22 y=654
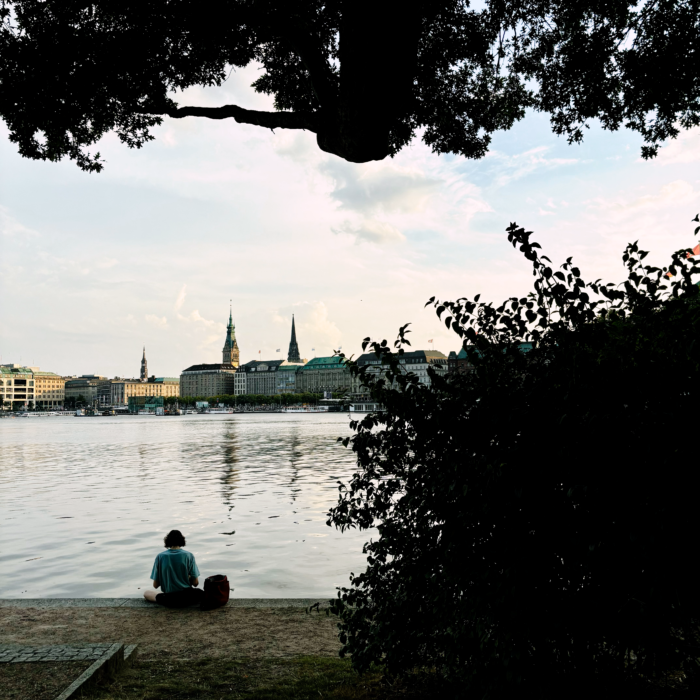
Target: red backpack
x=216 y=592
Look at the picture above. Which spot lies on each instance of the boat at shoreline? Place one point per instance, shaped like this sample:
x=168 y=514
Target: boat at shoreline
x=39 y=414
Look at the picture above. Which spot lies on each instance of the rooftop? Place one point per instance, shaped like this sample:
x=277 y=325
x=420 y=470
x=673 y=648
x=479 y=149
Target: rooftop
x=15 y=369
x=324 y=363
x=412 y=356
x=210 y=368
x=525 y=347
x=262 y=365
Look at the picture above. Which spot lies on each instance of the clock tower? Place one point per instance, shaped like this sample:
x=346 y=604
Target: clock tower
x=230 y=351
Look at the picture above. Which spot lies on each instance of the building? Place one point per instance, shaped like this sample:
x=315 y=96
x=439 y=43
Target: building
x=122 y=389
x=459 y=362
x=287 y=378
x=209 y=380
x=240 y=382
x=49 y=389
x=88 y=388
x=146 y=404
x=416 y=362
x=324 y=374
x=261 y=376
x=17 y=387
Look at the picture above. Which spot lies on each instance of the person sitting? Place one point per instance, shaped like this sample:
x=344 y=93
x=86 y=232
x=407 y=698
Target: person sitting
x=175 y=572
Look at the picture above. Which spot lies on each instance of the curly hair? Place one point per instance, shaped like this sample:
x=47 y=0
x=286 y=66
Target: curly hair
x=174 y=539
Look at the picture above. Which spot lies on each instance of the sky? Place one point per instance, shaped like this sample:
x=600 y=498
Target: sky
x=150 y=251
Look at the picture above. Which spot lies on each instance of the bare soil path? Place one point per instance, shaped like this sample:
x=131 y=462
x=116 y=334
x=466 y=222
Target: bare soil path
x=178 y=634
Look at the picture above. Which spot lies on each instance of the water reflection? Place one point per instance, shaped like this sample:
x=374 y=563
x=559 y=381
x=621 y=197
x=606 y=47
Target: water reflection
x=230 y=475
x=104 y=491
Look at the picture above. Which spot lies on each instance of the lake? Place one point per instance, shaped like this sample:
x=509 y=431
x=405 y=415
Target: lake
x=85 y=502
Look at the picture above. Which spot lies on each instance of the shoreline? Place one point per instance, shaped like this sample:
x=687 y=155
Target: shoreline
x=54 y=603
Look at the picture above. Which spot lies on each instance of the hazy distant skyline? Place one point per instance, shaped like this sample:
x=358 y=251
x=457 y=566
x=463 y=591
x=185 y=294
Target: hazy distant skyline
x=150 y=251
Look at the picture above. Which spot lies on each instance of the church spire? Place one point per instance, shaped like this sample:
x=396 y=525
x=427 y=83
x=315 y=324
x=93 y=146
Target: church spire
x=293 y=355
x=230 y=353
x=144 y=366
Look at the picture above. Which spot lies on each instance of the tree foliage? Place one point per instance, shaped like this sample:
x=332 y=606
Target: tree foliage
x=536 y=515
x=252 y=399
x=365 y=77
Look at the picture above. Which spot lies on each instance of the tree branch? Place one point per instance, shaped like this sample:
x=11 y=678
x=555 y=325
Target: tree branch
x=270 y=120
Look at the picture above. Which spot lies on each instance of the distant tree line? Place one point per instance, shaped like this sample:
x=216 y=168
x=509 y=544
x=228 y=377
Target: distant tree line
x=233 y=400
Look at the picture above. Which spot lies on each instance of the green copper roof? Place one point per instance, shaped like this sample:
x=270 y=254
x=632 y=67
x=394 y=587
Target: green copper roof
x=324 y=363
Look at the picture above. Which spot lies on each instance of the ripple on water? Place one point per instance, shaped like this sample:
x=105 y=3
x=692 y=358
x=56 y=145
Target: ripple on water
x=91 y=499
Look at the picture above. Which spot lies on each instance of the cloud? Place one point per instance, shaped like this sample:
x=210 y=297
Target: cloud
x=9 y=226
x=514 y=167
x=674 y=193
x=684 y=149
x=374 y=187
x=181 y=298
x=159 y=321
x=196 y=317
x=299 y=146
x=106 y=263
x=372 y=231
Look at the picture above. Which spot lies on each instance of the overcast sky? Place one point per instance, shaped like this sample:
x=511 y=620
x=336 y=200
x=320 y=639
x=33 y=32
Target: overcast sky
x=151 y=250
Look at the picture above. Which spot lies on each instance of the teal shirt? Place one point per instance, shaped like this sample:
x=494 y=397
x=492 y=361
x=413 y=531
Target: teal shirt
x=173 y=568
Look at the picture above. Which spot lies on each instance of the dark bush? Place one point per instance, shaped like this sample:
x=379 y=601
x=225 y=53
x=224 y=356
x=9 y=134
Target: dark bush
x=537 y=517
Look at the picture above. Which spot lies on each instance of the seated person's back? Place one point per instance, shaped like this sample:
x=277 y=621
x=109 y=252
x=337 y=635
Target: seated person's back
x=175 y=572
x=173 y=569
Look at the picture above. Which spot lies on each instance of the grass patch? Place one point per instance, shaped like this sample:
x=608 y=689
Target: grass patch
x=38 y=680
x=316 y=678
x=303 y=678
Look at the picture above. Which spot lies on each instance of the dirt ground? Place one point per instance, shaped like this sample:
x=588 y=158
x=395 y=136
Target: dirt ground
x=183 y=634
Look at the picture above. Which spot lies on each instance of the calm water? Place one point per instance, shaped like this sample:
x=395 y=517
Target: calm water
x=85 y=502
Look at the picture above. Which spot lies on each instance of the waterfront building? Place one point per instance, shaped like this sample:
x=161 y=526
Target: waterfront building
x=49 y=389
x=209 y=380
x=88 y=387
x=287 y=378
x=17 y=387
x=122 y=389
x=324 y=374
x=261 y=376
x=240 y=382
x=459 y=362
x=416 y=361
x=146 y=404
x=29 y=386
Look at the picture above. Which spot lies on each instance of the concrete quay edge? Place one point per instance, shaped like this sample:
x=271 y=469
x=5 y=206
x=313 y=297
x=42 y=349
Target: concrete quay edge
x=53 y=603
x=109 y=664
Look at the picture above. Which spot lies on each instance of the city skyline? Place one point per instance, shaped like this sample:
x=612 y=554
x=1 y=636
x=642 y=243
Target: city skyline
x=151 y=250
